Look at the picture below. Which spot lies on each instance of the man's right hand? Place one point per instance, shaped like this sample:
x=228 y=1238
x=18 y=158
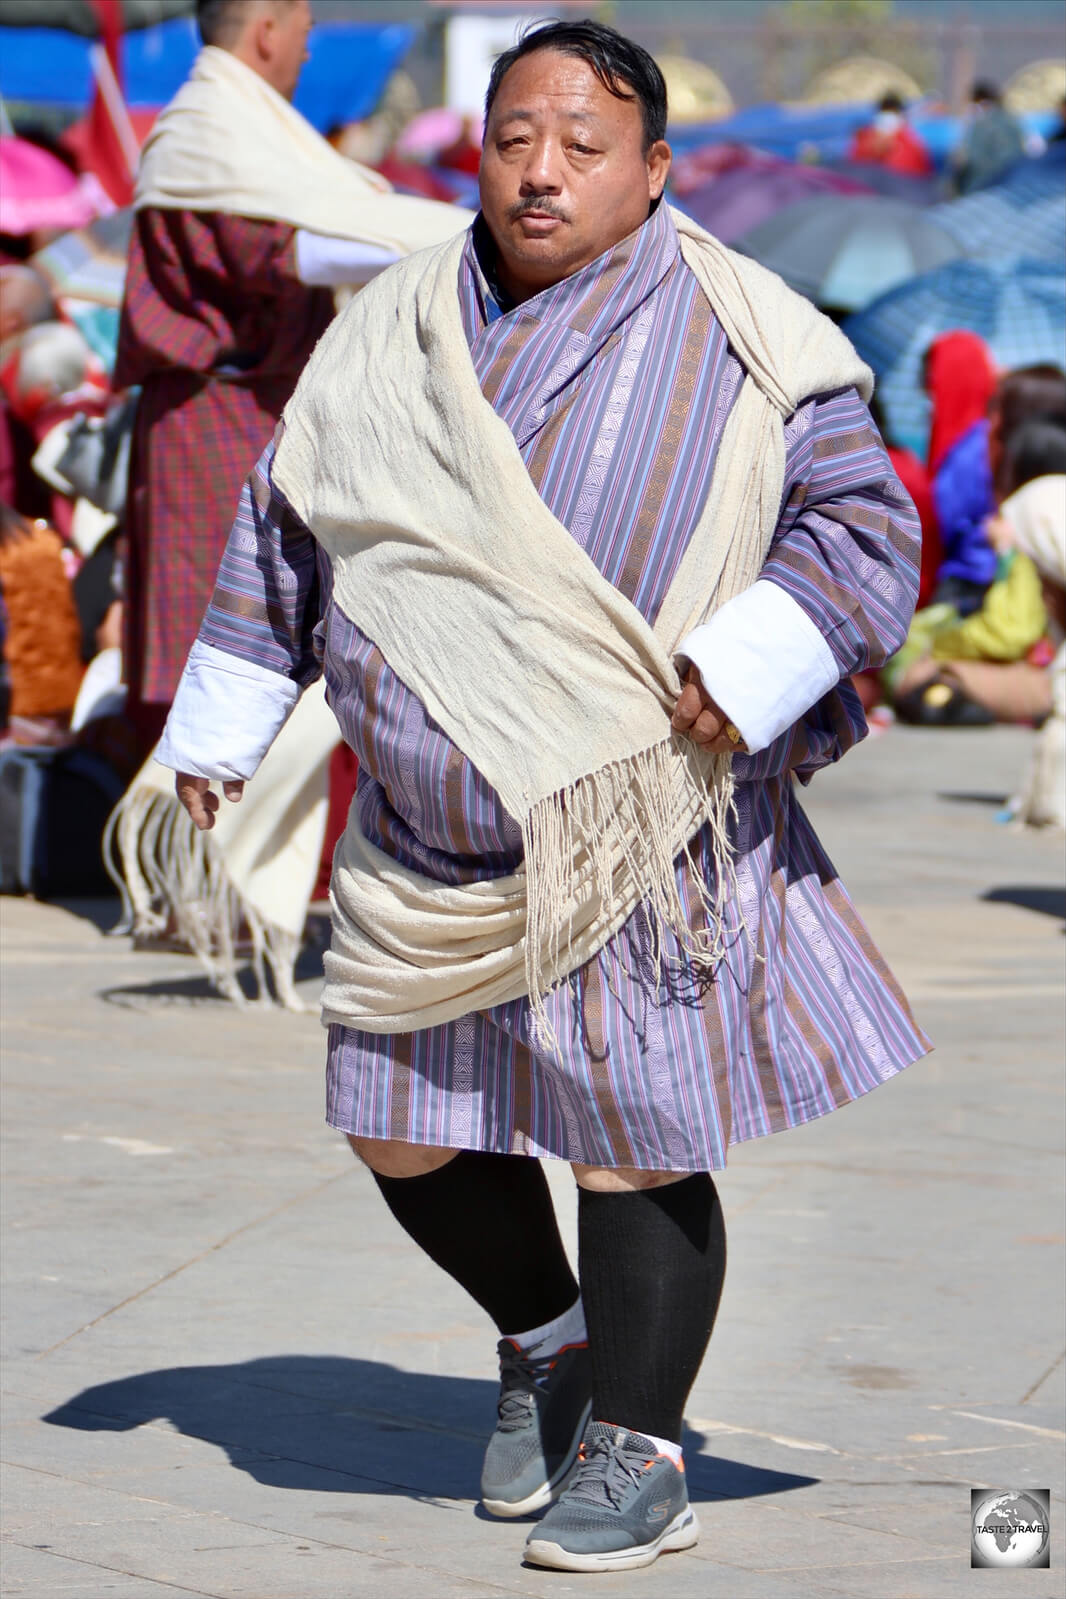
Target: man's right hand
x=196 y=796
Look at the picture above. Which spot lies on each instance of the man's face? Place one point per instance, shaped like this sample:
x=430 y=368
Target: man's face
x=291 y=26
x=564 y=173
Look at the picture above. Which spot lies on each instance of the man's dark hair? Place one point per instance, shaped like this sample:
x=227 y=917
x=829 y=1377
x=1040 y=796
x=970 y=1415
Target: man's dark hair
x=1027 y=391
x=1036 y=448
x=984 y=93
x=221 y=21
x=890 y=102
x=620 y=65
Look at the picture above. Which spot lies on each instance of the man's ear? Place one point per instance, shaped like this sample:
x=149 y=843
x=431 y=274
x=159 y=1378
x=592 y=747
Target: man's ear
x=264 y=32
x=658 y=158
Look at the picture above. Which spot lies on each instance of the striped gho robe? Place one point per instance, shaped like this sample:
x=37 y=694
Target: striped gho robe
x=616 y=384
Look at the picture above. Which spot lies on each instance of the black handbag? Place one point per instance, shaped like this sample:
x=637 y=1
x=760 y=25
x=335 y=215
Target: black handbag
x=96 y=457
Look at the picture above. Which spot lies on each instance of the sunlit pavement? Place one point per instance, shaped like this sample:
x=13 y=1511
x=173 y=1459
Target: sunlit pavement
x=227 y=1372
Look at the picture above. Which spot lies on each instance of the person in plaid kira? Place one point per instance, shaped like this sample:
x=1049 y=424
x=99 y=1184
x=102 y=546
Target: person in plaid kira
x=222 y=310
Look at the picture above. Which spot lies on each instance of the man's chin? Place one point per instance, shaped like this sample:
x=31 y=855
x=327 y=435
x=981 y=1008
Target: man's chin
x=547 y=259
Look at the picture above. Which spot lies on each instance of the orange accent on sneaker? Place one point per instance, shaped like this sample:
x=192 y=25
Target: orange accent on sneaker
x=579 y=1343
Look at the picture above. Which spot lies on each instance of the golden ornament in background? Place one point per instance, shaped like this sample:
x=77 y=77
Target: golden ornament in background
x=694 y=91
x=1041 y=86
x=860 y=79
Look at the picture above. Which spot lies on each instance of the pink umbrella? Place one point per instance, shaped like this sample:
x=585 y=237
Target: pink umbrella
x=434 y=130
x=38 y=191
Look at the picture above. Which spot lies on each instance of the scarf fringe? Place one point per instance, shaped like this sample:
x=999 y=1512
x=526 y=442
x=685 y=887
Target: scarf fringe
x=172 y=877
x=622 y=826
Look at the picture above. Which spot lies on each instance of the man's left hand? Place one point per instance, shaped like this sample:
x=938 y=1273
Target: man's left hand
x=701 y=717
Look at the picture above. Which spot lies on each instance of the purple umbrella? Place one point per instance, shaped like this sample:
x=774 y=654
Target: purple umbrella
x=730 y=205
x=896 y=185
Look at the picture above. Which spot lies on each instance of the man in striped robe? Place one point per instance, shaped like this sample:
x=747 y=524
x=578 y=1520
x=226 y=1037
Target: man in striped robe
x=592 y=341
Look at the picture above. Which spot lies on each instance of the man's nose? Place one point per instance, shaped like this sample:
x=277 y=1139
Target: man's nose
x=542 y=172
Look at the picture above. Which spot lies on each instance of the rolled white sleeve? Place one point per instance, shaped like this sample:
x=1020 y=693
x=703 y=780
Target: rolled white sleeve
x=324 y=262
x=226 y=714
x=763 y=660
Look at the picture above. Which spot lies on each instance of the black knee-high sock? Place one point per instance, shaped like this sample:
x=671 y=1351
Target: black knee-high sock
x=489 y=1221
x=652 y=1264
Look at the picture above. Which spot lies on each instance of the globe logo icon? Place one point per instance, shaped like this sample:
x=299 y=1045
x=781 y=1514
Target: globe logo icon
x=1010 y=1530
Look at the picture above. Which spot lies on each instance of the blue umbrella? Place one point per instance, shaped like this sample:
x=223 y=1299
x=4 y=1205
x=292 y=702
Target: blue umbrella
x=843 y=250
x=1026 y=210
x=1017 y=305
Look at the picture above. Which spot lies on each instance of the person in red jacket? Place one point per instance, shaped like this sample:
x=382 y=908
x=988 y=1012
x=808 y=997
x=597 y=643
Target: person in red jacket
x=890 y=141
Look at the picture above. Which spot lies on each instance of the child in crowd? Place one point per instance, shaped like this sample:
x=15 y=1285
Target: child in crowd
x=991 y=665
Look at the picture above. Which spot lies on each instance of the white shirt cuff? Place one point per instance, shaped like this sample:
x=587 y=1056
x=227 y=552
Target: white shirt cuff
x=763 y=660
x=325 y=262
x=226 y=714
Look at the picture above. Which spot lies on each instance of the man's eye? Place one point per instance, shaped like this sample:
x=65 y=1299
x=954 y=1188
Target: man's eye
x=582 y=149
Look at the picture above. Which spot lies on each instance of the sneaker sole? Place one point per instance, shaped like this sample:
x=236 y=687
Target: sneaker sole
x=540 y=1498
x=682 y=1533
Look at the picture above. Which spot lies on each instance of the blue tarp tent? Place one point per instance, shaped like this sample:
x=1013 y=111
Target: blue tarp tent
x=823 y=133
x=782 y=130
x=343 y=81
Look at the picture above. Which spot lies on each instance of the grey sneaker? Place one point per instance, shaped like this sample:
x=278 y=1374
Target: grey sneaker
x=623 y=1507
x=543 y=1407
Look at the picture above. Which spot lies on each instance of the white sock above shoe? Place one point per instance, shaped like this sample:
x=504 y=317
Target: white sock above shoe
x=569 y=1328
x=663 y=1446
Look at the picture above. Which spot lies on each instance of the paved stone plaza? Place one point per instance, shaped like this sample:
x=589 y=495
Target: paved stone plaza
x=228 y=1373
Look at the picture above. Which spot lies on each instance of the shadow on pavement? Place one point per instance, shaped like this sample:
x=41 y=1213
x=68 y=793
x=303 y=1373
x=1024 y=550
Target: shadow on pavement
x=102 y=910
x=197 y=988
x=1048 y=901
x=337 y=1425
x=973 y=797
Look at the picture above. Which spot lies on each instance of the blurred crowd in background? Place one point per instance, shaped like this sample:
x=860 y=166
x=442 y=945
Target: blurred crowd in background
x=938 y=241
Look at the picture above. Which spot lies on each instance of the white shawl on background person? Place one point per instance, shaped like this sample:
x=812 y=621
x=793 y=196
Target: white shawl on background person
x=538 y=669
x=229 y=142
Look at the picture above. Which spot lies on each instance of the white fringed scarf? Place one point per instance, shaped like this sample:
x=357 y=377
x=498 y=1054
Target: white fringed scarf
x=228 y=142
x=544 y=675
x=249 y=878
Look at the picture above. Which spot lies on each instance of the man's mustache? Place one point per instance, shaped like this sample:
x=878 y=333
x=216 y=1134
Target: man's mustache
x=544 y=208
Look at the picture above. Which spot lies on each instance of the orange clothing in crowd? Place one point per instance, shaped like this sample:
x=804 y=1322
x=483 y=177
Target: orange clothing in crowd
x=43 y=645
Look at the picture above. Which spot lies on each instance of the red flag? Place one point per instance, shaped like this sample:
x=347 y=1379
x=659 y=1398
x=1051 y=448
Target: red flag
x=110 y=146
